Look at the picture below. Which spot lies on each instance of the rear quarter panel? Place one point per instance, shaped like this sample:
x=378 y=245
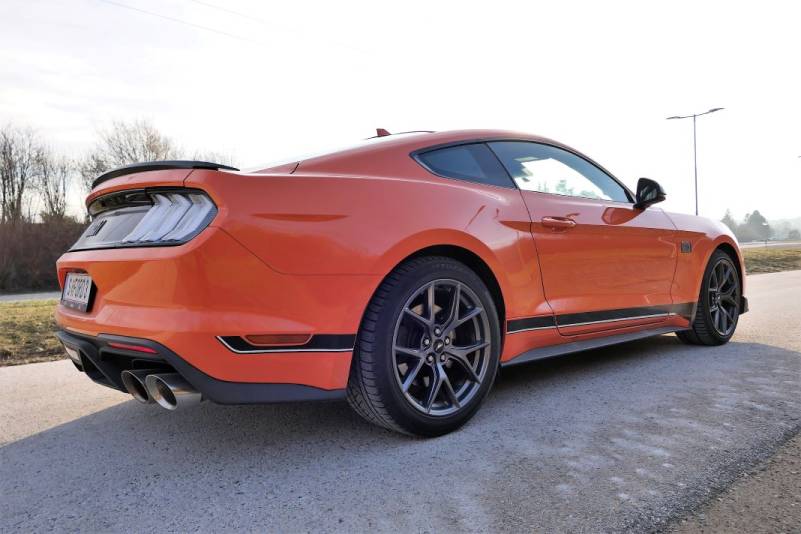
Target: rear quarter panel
x=324 y=224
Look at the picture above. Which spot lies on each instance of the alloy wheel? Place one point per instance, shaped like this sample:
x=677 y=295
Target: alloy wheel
x=722 y=294
x=441 y=347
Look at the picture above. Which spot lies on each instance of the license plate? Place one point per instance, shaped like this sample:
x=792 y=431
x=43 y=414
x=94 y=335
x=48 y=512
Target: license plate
x=77 y=292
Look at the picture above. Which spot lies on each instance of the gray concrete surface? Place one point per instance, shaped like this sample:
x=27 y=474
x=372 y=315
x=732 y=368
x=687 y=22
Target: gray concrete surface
x=17 y=297
x=623 y=438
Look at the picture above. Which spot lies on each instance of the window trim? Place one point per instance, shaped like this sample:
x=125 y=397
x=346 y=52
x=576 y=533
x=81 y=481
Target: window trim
x=486 y=140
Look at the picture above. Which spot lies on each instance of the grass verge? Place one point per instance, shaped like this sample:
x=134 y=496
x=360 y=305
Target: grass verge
x=771 y=260
x=27 y=333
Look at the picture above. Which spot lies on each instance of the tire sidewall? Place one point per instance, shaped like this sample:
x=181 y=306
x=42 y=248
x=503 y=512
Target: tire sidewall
x=705 y=303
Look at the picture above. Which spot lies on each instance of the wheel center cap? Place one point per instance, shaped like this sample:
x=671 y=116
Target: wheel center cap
x=439 y=346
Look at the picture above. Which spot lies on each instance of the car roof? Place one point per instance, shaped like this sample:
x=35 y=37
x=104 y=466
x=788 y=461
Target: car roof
x=424 y=140
x=404 y=143
x=392 y=155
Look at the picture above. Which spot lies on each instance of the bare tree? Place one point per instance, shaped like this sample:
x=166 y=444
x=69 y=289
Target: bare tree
x=125 y=143
x=134 y=142
x=18 y=155
x=54 y=175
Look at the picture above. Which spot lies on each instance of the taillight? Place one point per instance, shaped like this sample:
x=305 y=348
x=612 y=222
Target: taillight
x=147 y=218
x=173 y=217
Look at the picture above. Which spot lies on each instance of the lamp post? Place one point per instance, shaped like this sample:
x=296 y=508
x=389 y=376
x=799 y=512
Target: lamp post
x=695 y=150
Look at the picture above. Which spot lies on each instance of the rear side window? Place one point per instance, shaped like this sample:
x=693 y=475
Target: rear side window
x=474 y=163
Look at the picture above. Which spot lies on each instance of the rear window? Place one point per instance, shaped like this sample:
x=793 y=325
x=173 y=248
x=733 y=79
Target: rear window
x=473 y=162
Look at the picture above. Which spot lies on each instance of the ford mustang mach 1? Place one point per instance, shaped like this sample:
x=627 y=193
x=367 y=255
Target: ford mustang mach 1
x=399 y=273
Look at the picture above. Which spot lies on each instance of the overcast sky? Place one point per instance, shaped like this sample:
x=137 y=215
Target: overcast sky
x=264 y=80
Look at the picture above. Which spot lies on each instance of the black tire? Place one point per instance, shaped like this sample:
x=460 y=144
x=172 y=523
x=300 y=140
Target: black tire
x=376 y=388
x=709 y=327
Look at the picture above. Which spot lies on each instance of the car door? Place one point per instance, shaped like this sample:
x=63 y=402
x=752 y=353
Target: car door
x=604 y=264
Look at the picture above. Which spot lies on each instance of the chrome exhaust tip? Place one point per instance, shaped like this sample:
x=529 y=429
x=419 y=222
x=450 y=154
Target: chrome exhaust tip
x=171 y=390
x=134 y=382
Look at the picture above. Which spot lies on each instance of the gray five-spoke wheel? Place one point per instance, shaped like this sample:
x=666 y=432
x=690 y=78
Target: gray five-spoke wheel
x=441 y=347
x=722 y=294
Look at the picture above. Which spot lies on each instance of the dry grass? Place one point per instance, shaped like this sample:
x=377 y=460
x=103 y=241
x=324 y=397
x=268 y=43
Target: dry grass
x=771 y=259
x=27 y=333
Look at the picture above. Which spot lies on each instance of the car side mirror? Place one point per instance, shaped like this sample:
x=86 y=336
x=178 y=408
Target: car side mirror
x=648 y=192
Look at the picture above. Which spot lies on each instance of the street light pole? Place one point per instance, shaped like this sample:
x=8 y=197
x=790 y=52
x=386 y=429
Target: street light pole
x=695 y=165
x=695 y=146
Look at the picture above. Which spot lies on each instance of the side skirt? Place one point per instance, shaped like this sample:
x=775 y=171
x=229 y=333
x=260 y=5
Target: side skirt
x=587 y=344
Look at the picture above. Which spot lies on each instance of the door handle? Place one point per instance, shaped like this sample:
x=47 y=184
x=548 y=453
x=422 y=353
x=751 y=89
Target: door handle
x=558 y=222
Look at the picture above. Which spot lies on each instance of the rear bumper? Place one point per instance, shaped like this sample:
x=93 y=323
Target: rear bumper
x=104 y=364
x=189 y=299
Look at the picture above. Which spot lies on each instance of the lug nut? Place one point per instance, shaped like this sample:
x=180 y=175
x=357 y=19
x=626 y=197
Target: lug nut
x=429 y=358
x=442 y=358
x=437 y=331
x=426 y=341
x=447 y=341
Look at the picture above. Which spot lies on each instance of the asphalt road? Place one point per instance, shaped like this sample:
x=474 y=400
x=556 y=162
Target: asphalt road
x=623 y=438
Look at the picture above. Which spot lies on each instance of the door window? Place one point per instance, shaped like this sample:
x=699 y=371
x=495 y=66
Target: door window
x=547 y=169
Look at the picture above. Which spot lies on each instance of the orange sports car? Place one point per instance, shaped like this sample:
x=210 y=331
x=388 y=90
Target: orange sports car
x=398 y=273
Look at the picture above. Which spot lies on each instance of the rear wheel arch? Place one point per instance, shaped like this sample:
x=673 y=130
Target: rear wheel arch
x=372 y=388
x=476 y=264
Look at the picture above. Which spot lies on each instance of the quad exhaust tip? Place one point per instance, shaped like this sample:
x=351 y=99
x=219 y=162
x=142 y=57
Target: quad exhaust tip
x=134 y=382
x=171 y=391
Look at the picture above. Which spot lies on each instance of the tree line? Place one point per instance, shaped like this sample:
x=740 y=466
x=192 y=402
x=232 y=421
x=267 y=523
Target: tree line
x=755 y=227
x=36 y=182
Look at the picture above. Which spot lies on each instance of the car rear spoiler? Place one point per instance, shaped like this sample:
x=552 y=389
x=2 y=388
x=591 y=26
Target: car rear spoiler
x=159 y=166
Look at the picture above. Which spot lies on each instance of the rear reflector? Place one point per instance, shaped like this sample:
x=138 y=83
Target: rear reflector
x=136 y=348
x=279 y=339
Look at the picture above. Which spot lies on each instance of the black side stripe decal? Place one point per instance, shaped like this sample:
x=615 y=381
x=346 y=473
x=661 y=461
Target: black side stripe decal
x=317 y=343
x=686 y=309
x=610 y=315
x=530 y=323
